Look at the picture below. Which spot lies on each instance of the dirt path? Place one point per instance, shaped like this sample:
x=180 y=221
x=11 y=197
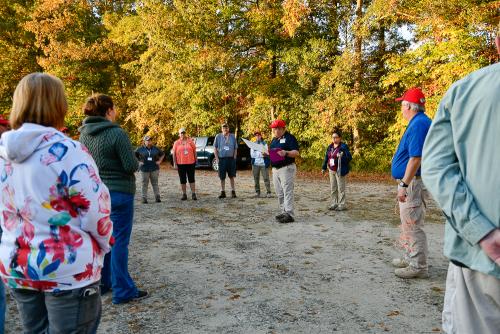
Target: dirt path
x=225 y=266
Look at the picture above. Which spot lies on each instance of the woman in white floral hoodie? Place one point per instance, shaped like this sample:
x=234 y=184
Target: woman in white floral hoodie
x=54 y=213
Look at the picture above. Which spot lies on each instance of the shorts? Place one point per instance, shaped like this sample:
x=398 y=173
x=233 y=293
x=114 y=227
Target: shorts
x=186 y=172
x=227 y=166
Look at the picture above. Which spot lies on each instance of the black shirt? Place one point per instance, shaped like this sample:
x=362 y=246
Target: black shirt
x=286 y=142
x=149 y=157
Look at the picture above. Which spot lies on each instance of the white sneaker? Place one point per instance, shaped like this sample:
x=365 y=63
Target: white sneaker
x=410 y=272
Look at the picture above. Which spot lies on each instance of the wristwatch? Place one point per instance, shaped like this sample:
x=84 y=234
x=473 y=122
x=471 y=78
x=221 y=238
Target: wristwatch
x=403 y=184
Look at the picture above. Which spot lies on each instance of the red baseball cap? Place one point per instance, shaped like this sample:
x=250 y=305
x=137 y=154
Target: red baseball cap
x=413 y=95
x=278 y=123
x=4 y=121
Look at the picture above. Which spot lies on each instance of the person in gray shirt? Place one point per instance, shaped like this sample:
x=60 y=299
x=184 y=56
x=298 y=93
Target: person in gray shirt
x=225 y=150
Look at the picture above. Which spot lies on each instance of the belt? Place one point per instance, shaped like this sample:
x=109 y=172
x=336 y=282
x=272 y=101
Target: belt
x=281 y=166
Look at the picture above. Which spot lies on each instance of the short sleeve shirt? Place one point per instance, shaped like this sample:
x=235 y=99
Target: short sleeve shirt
x=286 y=142
x=185 y=152
x=149 y=157
x=225 y=146
x=411 y=144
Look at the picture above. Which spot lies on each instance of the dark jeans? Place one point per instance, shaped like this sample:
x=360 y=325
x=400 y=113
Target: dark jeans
x=115 y=270
x=75 y=311
x=186 y=170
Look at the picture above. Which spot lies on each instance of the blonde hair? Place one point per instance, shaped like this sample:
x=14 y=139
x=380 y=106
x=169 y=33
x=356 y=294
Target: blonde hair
x=39 y=98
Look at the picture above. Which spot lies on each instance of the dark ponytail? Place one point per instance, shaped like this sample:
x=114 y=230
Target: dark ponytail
x=97 y=105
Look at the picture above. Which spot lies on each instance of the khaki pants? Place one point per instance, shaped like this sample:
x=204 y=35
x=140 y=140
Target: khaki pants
x=471 y=302
x=153 y=176
x=284 y=180
x=337 y=188
x=412 y=212
x=257 y=171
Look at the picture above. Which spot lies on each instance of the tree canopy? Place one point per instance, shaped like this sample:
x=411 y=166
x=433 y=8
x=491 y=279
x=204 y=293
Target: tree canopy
x=318 y=64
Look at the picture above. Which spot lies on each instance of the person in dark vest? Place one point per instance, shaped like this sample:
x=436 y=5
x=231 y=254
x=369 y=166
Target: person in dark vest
x=150 y=158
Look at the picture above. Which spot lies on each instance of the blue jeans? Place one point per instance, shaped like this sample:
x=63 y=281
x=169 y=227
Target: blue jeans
x=2 y=307
x=67 y=311
x=115 y=273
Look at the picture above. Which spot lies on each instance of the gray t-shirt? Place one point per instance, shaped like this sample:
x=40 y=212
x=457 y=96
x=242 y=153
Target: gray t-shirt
x=225 y=146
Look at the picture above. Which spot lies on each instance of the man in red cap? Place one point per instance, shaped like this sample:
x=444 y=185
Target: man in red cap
x=411 y=192
x=283 y=150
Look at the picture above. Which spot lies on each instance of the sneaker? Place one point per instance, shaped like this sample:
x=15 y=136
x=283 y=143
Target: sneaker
x=333 y=207
x=269 y=195
x=158 y=200
x=233 y=194
x=141 y=294
x=222 y=194
x=410 y=272
x=257 y=195
x=184 y=197
x=193 y=197
x=399 y=263
x=144 y=201
x=340 y=208
x=286 y=219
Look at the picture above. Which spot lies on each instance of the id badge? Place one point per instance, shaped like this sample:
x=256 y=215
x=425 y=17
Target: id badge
x=332 y=162
x=282 y=140
x=185 y=152
x=150 y=158
x=226 y=148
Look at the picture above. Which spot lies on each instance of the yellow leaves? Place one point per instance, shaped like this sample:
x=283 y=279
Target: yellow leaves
x=294 y=13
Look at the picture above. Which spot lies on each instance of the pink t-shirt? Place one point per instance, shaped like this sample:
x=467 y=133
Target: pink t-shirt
x=185 y=152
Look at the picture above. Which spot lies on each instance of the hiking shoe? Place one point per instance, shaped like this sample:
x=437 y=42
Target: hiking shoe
x=141 y=294
x=233 y=194
x=222 y=194
x=193 y=197
x=286 y=219
x=340 y=208
x=280 y=216
x=158 y=200
x=410 y=272
x=333 y=207
x=269 y=195
x=184 y=197
x=399 y=263
x=144 y=201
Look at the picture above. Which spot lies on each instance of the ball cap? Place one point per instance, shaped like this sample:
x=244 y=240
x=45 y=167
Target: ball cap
x=4 y=121
x=182 y=130
x=146 y=138
x=278 y=123
x=413 y=95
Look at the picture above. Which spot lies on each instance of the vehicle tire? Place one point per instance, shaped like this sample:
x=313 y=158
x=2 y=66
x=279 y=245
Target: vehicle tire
x=214 y=164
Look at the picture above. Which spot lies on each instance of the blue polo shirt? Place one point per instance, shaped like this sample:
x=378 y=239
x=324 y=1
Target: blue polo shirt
x=411 y=144
x=286 y=142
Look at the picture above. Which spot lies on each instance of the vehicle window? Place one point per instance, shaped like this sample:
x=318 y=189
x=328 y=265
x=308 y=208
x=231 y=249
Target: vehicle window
x=210 y=141
x=200 y=141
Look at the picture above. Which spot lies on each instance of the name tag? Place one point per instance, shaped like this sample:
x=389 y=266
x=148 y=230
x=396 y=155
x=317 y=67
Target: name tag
x=150 y=158
x=226 y=148
x=332 y=162
x=282 y=141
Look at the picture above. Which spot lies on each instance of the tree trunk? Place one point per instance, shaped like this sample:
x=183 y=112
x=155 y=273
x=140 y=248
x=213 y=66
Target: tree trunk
x=358 y=70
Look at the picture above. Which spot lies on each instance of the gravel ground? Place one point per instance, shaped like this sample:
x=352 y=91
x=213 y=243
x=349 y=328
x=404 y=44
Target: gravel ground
x=225 y=266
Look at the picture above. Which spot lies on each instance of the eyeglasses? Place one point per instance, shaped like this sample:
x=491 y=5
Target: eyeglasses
x=183 y=132
x=335 y=137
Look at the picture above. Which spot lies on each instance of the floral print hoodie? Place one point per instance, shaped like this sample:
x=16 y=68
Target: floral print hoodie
x=54 y=211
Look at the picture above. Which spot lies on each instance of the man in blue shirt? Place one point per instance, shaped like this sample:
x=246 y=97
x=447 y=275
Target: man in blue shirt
x=282 y=153
x=461 y=157
x=411 y=192
x=225 y=151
